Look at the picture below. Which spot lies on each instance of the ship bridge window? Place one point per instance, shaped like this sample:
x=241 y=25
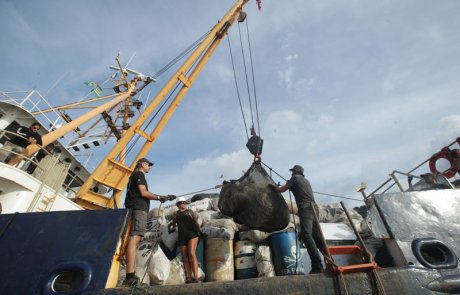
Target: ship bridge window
x=68 y=281
x=72 y=180
x=13 y=127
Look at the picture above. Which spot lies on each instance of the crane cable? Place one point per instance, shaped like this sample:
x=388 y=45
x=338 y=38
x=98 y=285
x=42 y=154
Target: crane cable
x=247 y=80
x=246 y=75
x=169 y=65
x=237 y=88
x=181 y=55
x=253 y=78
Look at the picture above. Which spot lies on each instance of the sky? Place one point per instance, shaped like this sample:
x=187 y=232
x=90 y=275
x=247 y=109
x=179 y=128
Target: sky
x=350 y=90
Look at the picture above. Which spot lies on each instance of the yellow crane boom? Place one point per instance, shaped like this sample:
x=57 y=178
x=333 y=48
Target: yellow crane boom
x=112 y=172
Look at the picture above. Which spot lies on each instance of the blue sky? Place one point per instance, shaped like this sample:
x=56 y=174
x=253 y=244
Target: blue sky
x=351 y=90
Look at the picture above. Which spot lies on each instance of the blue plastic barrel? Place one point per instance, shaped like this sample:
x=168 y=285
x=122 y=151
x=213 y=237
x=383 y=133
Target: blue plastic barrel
x=286 y=255
x=245 y=261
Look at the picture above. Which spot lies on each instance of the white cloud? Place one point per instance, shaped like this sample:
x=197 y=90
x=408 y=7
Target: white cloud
x=344 y=92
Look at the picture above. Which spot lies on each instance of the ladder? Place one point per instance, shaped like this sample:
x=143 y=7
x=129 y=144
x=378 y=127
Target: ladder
x=45 y=203
x=367 y=265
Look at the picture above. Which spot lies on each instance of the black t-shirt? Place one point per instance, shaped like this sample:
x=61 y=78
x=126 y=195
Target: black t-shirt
x=134 y=200
x=186 y=222
x=302 y=190
x=26 y=132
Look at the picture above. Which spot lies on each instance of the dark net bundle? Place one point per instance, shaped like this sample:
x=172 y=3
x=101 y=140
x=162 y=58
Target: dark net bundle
x=250 y=202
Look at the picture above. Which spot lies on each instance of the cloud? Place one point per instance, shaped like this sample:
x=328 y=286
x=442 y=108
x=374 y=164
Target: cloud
x=205 y=172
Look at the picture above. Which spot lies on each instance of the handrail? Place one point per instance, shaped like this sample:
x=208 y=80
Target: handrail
x=396 y=180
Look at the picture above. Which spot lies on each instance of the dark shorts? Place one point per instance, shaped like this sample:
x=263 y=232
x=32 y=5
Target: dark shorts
x=184 y=238
x=139 y=223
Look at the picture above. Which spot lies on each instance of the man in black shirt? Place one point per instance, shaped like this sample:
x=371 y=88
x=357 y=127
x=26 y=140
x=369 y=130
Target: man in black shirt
x=26 y=136
x=309 y=228
x=138 y=201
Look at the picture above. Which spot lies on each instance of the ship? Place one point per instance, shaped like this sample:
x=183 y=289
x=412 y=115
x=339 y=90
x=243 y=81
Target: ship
x=62 y=230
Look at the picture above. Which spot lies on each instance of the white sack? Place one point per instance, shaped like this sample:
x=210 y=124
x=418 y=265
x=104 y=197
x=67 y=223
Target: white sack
x=158 y=267
x=209 y=214
x=256 y=236
x=217 y=232
x=169 y=239
x=223 y=223
x=264 y=261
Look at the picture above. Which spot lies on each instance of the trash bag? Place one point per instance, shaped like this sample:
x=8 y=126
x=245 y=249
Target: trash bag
x=199 y=197
x=250 y=202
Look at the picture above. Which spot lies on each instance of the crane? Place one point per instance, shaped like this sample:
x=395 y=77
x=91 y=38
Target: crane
x=112 y=172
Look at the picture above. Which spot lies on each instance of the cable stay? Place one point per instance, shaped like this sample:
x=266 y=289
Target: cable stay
x=319 y=193
x=254 y=143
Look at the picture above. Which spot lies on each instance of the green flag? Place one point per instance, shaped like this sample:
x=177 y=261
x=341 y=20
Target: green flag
x=97 y=90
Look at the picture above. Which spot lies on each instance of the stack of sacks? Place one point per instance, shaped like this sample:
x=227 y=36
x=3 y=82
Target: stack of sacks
x=220 y=228
x=329 y=213
x=334 y=213
x=215 y=225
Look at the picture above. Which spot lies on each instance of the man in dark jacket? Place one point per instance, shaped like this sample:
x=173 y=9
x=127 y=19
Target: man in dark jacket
x=309 y=228
x=26 y=136
x=138 y=201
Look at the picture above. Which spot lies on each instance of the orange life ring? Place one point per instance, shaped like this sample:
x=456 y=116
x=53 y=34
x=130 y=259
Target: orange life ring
x=443 y=154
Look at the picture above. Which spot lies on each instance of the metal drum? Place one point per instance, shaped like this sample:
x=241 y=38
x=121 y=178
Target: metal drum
x=219 y=260
x=287 y=257
x=245 y=262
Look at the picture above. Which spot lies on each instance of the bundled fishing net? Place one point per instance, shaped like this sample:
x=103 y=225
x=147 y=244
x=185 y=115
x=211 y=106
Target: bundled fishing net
x=250 y=202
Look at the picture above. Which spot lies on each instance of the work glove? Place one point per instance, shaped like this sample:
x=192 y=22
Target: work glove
x=171 y=197
x=162 y=198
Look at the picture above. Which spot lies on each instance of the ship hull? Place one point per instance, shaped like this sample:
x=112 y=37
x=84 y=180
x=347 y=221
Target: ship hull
x=71 y=251
x=403 y=280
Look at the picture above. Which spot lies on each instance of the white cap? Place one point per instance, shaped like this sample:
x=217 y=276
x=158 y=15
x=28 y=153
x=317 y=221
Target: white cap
x=180 y=199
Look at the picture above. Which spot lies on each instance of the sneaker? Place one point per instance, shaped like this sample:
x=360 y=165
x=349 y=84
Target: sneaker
x=134 y=281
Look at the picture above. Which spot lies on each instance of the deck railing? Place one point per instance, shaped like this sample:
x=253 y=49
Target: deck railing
x=50 y=170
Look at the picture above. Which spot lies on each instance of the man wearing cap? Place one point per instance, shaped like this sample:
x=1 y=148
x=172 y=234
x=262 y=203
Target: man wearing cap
x=309 y=229
x=138 y=202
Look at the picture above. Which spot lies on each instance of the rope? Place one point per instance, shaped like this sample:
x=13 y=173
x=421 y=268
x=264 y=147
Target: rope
x=319 y=193
x=296 y=234
x=200 y=191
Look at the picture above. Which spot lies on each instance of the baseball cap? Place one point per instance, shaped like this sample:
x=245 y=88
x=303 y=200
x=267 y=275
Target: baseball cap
x=297 y=168
x=144 y=160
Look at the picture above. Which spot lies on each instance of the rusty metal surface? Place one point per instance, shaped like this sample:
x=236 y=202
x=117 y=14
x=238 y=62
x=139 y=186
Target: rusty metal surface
x=395 y=280
x=412 y=215
x=219 y=262
x=376 y=223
